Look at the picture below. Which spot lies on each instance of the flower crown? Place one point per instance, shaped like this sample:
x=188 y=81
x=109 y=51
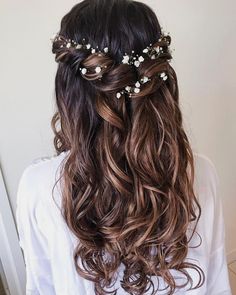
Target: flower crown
x=151 y=52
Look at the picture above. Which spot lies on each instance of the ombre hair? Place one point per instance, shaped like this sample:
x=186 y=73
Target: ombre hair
x=128 y=178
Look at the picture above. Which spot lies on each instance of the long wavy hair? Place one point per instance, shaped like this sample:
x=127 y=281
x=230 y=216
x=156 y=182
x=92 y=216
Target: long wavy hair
x=128 y=178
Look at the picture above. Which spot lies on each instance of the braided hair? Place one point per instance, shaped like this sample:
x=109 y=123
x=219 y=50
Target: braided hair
x=102 y=67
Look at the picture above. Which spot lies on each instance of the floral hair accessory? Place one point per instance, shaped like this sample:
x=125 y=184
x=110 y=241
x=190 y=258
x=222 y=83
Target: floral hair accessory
x=70 y=43
x=136 y=88
x=153 y=51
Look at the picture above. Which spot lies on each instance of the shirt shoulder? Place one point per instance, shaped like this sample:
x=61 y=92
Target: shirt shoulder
x=38 y=179
x=43 y=167
x=212 y=225
x=205 y=166
x=207 y=189
x=206 y=175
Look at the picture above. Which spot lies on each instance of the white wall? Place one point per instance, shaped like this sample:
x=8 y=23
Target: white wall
x=203 y=36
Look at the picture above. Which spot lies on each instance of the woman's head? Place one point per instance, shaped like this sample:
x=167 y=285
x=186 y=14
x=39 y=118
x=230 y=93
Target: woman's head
x=128 y=178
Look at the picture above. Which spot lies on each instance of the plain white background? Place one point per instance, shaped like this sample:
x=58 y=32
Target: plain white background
x=204 y=43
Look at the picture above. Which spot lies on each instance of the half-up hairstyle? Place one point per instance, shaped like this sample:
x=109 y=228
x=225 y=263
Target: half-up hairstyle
x=127 y=191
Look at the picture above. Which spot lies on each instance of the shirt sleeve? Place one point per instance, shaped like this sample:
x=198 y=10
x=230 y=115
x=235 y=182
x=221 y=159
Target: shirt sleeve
x=31 y=239
x=218 y=277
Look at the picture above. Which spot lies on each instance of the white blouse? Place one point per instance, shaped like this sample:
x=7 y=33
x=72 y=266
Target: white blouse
x=48 y=244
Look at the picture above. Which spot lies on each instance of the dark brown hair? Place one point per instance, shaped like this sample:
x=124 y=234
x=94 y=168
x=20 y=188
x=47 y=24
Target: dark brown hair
x=128 y=178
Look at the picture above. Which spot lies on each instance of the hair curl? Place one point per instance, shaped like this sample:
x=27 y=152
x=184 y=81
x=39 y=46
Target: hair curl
x=128 y=178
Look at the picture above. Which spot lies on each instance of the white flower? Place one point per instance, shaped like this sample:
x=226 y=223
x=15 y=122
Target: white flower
x=118 y=94
x=105 y=49
x=88 y=46
x=136 y=90
x=145 y=79
x=127 y=88
x=93 y=50
x=157 y=49
x=163 y=76
x=145 y=50
x=141 y=59
x=78 y=46
x=84 y=71
x=137 y=84
x=153 y=56
x=68 y=45
x=125 y=59
x=137 y=63
x=98 y=69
